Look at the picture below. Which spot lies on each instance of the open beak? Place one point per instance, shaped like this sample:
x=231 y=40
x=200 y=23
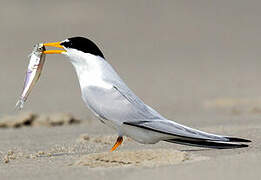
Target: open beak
x=54 y=44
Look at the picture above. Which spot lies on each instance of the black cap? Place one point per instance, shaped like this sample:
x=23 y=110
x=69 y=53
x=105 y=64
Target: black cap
x=82 y=44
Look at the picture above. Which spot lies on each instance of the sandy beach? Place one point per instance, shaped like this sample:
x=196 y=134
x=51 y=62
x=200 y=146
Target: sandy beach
x=197 y=63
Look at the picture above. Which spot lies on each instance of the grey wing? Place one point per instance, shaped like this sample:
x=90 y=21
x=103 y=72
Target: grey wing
x=180 y=134
x=171 y=128
x=118 y=104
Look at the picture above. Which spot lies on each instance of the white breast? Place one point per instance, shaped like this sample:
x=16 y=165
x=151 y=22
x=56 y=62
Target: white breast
x=89 y=69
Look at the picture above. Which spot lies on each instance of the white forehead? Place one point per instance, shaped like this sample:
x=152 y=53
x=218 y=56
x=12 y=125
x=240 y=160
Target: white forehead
x=66 y=40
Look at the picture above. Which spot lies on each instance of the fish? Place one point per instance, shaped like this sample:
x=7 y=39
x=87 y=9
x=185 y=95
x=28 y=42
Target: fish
x=34 y=69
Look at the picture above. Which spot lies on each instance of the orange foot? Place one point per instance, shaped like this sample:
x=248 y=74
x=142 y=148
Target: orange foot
x=117 y=143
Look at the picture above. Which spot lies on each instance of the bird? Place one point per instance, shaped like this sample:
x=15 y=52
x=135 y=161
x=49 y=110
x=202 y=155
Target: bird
x=115 y=104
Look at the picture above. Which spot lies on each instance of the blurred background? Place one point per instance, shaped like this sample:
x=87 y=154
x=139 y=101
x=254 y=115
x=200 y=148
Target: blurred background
x=180 y=57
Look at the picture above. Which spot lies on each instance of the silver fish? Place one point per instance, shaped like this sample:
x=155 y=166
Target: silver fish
x=34 y=69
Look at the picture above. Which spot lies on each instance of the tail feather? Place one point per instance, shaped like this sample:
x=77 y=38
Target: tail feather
x=180 y=134
x=208 y=143
x=235 y=139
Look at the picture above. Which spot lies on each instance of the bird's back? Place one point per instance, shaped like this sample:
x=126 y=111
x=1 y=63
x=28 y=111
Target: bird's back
x=116 y=102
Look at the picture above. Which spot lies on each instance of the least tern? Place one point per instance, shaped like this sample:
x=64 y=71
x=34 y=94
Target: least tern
x=110 y=99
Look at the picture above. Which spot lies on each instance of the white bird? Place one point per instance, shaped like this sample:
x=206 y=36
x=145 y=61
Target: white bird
x=109 y=98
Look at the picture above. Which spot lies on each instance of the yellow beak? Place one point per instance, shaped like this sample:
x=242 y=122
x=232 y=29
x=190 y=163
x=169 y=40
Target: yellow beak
x=54 y=44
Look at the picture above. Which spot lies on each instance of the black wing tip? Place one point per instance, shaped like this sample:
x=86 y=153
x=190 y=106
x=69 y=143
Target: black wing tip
x=230 y=146
x=207 y=144
x=242 y=145
x=234 y=139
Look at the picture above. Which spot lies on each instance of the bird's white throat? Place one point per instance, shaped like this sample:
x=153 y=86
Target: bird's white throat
x=89 y=68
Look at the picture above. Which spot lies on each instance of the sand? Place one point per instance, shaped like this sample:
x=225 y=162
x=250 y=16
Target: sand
x=147 y=158
x=235 y=105
x=33 y=119
x=195 y=62
x=68 y=151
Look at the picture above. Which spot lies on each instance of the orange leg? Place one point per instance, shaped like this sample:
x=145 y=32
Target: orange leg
x=117 y=143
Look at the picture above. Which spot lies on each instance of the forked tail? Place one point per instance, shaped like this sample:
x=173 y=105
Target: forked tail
x=231 y=143
x=177 y=133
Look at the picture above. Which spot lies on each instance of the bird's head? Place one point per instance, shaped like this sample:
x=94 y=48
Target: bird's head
x=75 y=46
